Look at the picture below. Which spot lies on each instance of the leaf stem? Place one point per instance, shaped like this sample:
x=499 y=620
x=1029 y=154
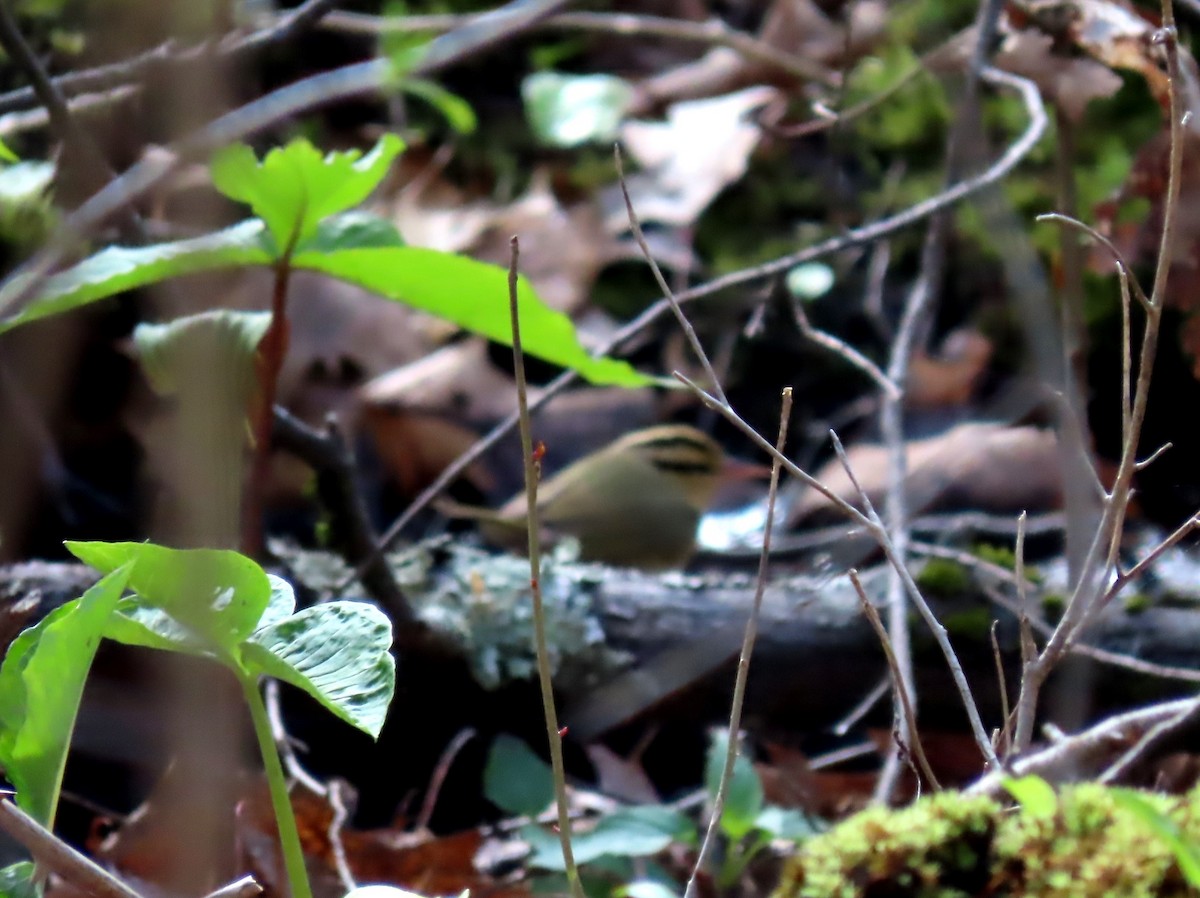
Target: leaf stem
x=281 y=802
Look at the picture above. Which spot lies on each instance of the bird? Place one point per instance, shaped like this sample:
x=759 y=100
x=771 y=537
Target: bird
x=635 y=503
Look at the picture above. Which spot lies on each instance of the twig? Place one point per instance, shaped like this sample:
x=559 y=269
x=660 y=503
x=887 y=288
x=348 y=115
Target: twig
x=874 y=525
x=532 y=471
x=1003 y=744
x=863 y=708
x=461 y=738
x=55 y=854
x=910 y=715
x=337 y=484
x=688 y=331
x=246 y=887
x=1070 y=751
x=283 y=741
x=743 y=668
x=1150 y=740
x=120 y=75
x=1101 y=555
x=714 y=32
x=340 y=862
x=846 y=351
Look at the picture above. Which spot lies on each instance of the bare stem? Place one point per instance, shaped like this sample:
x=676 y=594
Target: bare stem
x=532 y=471
x=743 y=669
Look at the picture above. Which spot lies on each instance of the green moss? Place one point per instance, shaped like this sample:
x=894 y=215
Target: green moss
x=1053 y=604
x=973 y=624
x=1137 y=603
x=941 y=576
x=957 y=846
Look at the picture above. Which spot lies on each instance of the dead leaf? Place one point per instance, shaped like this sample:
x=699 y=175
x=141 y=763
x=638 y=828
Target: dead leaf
x=703 y=147
x=983 y=466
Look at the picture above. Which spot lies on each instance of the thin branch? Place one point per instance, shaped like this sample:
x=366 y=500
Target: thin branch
x=1002 y=740
x=874 y=525
x=1071 y=752
x=743 y=668
x=910 y=714
x=461 y=738
x=1150 y=740
x=1084 y=602
x=337 y=484
x=845 y=351
x=246 y=887
x=54 y=854
x=688 y=331
x=714 y=33
x=532 y=473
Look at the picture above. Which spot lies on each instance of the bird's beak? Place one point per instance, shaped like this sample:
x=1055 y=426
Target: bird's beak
x=735 y=470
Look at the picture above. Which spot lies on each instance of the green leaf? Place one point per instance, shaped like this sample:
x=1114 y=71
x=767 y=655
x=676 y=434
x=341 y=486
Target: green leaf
x=744 y=795
x=785 y=823
x=515 y=779
x=16 y=881
x=282 y=604
x=294 y=187
x=41 y=685
x=136 y=623
x=337 y=653
x=354 y=230
x=569 y=110
x=117 y=269
x=474 y=295
x=224 y=339
x=1036 y=795
x=1187 y=855
x=218 y=593
x=457 y=111
x=7 y=155
x=629 y=832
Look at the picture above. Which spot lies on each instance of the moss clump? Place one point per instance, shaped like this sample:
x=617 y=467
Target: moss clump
x=944 y=577
x=957 y=846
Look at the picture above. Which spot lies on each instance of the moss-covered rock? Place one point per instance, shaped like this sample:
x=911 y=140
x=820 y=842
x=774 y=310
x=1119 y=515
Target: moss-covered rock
x=954 y=846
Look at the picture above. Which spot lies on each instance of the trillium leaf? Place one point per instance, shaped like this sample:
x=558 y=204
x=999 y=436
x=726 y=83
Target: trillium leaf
x=217 y=593
x=338 y=653
x=41 y=685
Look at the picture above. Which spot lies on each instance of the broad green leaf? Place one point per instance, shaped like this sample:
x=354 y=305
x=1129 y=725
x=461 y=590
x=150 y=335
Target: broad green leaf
x=136 y=623
x=629 y=832
x=282 y=604
x=744 y=795
x=224 y=339
x=7 y=155
x=1187 y=854
x=337 y=653
x=42 y=681
x=117 y=269
x=1036 y=795
x=354 y=230
x=294 y=187
x=569 y=110
x=474 y=295
x=515 y=779
x=16 y=881
x=218 y=593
